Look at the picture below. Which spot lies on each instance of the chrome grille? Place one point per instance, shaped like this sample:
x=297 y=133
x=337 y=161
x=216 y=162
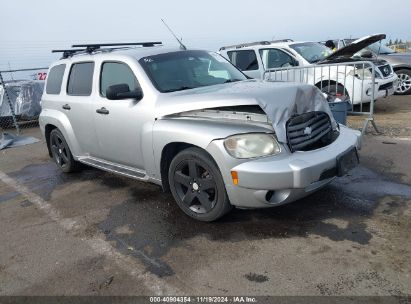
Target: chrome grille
x=385 y=70
x=309 y=131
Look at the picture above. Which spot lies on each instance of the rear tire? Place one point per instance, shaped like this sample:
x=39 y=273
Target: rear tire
x=404 y=85
x=197 y=185
x=61 y=153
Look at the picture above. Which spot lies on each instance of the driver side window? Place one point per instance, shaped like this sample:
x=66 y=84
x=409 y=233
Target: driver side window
x=113 y=73
x=275 y=58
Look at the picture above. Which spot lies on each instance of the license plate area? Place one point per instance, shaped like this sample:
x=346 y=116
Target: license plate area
x=347 y=161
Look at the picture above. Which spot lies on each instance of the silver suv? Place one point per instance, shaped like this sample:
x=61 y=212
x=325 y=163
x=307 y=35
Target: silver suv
x=191 y=122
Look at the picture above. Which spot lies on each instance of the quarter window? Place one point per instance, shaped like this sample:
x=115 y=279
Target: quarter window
x=113 y=73
x=55 y=79
x=245 y=60
x=81 y=79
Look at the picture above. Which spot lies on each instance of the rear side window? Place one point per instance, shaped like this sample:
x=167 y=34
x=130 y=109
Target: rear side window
x=113 y=73
x=245 y=60
x=55 y=79
x=80 y=79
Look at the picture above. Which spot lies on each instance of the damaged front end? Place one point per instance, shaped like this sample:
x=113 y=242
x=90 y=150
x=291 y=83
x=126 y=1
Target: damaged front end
x=298 y=115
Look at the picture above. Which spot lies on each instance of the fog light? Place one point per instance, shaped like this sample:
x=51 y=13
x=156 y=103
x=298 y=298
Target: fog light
x=234 y=176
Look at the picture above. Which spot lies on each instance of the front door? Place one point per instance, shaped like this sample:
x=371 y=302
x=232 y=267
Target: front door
x=119 y=124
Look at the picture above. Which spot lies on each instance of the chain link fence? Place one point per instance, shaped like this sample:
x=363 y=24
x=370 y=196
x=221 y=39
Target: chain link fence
x=20 y=98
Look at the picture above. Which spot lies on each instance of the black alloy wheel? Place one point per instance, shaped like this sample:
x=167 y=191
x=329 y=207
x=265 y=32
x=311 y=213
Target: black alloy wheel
x=61 y=152
x=197 y=185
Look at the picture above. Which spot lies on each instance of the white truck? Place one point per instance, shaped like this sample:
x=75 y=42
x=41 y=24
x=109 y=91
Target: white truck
x=312 y=62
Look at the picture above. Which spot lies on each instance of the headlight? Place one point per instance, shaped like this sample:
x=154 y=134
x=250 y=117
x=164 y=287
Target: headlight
x=362 y=73
x=251 y=145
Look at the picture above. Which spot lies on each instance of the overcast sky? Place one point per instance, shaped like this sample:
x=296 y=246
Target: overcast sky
x=31 y=29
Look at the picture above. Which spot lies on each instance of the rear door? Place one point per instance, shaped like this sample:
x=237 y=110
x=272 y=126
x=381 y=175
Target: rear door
x=77 y=104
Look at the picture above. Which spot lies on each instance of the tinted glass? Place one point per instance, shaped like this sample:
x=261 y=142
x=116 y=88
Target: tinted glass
x=184 y=70
x=244 y=60
x=54 y=79
x=80 y=79
x=274 y=58
x=116 y=73
x=312 y=51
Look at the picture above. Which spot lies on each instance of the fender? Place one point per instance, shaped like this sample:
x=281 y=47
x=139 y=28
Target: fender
x=195 y=131
x=61 y=121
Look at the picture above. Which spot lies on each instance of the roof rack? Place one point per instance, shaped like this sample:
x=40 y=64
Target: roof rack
x=282 y=40
x=68 y=53
x=90 y=48
x=239 y=46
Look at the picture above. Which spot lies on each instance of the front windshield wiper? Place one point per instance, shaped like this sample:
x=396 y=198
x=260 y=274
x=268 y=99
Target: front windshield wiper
x=182 y=88
x=232 y=80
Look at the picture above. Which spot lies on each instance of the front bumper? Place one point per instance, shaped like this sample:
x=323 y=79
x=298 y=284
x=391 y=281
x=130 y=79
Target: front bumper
x=280 y=179
x=361 y=91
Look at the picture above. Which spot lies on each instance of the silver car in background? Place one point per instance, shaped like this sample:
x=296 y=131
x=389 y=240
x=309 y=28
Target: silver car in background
x=191 y=122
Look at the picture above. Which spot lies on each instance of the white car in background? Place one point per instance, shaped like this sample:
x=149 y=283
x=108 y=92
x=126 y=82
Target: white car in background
x=314 y=63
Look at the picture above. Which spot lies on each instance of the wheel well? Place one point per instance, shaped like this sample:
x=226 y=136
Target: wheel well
x=167 y=155
x=325 y=83
x=47 y=132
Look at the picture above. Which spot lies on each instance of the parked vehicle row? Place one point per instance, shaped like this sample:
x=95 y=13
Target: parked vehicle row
x=312 y=62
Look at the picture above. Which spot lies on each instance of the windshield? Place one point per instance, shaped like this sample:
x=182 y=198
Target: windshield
x=311 y=51
x=375 y=47
x=184 y=70
x=383 y=50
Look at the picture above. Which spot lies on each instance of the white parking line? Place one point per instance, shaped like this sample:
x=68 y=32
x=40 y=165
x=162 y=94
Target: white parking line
x=153 y=283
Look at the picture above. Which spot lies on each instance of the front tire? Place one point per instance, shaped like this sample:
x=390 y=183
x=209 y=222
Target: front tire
x=197 y=185
x=404 y=84
x=61 y=153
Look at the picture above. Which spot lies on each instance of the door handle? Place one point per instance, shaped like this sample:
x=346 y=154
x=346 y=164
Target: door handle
x=103 y=110
x=66 y=107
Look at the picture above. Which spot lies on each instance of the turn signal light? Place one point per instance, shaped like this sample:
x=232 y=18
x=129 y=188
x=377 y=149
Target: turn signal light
x=234 y=176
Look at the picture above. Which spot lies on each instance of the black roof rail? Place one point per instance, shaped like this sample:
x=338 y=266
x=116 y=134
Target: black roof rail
x=241 y=45
x=282 y=40
x=90 y=48
x=68 y=53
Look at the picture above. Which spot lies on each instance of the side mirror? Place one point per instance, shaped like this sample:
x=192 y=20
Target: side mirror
x=296 y=63
x=122 y=91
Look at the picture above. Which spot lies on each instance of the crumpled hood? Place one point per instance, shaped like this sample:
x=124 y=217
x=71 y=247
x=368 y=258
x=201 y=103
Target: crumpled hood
x=279 y=100
x=355 y=46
